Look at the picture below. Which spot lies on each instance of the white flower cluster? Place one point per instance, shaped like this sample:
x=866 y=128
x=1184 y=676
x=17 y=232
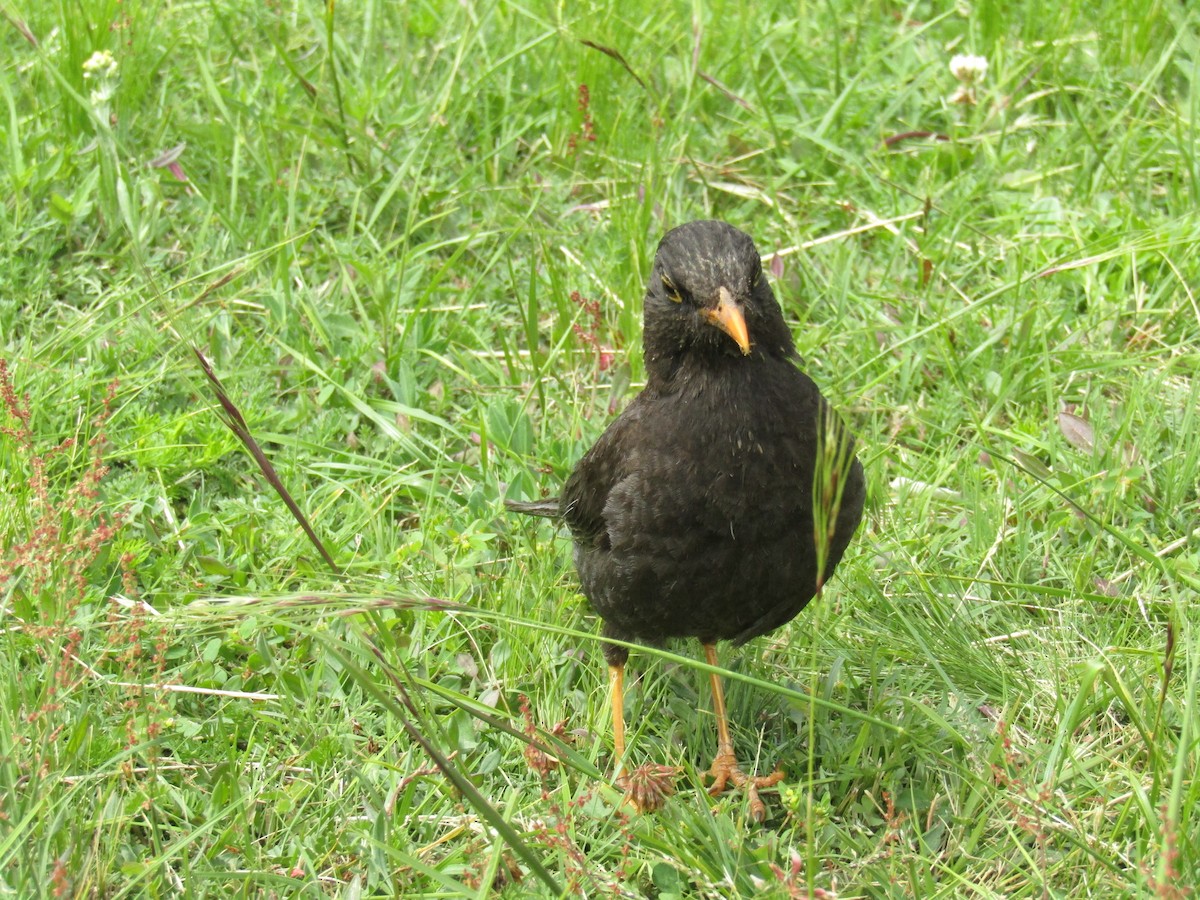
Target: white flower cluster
x=100 y=70
x=970 y=72
x=968 y=69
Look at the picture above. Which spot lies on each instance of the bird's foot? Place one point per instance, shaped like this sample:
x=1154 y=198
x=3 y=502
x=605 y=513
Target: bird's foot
x=725 y=771
x=647 y=787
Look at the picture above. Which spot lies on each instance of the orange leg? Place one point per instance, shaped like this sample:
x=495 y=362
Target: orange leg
x=648 y=786
x=616 y=683
x=725 y=768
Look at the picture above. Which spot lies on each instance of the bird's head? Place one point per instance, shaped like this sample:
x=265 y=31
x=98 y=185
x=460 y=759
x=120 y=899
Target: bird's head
x=708 y=300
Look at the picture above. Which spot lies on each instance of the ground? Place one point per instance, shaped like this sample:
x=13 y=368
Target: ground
x=411 y=239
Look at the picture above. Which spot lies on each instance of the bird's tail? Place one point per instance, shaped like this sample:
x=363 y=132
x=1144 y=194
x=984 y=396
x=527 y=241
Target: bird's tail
x=547 y=508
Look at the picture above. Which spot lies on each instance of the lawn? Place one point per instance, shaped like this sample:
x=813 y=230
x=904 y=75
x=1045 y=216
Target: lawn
x=410 y=241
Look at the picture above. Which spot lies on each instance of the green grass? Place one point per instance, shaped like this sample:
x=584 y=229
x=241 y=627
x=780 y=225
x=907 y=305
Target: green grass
x=388 y=208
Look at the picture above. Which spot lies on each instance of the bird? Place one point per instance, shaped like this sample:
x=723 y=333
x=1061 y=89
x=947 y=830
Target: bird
x=720 y=501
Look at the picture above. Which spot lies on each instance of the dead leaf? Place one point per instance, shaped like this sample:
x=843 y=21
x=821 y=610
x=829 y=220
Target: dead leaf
x=1078 y=431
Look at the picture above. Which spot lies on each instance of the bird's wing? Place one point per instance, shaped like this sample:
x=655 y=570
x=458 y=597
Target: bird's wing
x=602 y=468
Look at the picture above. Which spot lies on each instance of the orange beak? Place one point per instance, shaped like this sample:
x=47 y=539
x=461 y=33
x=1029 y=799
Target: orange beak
x=728 y=317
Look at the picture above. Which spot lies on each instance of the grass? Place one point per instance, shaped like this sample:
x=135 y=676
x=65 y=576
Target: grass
x=413 y=248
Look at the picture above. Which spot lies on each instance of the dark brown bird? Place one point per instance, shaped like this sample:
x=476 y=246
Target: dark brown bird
x=719 y=502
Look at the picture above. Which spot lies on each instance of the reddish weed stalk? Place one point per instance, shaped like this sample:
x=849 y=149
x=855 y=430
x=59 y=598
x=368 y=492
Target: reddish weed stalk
x=48 y=581
x=587 y=128
x=589 y=335
x=48 y=569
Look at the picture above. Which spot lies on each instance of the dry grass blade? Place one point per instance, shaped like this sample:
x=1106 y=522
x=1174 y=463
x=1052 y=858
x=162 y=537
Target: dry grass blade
x=615 y=54
x=740 y=101
x=21 y=27
x=1168 y=666
x=237 y=424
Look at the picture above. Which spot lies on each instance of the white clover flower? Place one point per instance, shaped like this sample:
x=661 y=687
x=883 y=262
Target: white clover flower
x=969 y=69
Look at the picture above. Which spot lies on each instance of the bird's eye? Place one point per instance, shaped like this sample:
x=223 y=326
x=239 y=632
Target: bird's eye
x=672 y=291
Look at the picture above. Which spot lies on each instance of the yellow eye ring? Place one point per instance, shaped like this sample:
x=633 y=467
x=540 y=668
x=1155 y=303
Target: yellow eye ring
x=672 y=292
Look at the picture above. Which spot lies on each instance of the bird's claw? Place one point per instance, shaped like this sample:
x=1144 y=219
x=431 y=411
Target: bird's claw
x=725 y=771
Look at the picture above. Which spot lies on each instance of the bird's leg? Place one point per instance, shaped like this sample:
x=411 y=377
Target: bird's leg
x=725 y=769
x=648 y=786
x=616 y=682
